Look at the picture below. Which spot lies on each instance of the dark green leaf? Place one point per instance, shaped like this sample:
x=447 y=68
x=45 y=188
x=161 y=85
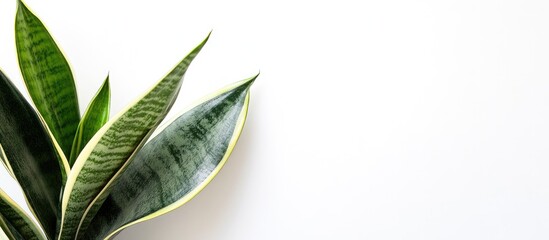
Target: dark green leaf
x=36 y=163
x=176 y=164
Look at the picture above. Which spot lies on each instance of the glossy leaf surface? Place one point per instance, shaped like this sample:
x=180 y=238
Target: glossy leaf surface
x=112 y=147
x=95 y=117
x=47 y=76
x=32 y=155
x=177 y=163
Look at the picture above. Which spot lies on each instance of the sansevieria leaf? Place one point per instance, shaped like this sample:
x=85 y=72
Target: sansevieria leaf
x=8 y=230
x=3 y=235
x=177 y=163
x=95 y=117
x=32 y=155
x=13 y=215
x=47 y=76
x=111 y=149
x=4 y=160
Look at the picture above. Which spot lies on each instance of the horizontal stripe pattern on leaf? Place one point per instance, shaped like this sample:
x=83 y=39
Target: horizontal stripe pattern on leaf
x=9 y=231
x=112 y=147
x=47 y=76
x=18 y=219
x=177 y=163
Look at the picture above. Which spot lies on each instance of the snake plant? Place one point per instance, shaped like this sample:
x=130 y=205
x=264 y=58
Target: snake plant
x=87 y=176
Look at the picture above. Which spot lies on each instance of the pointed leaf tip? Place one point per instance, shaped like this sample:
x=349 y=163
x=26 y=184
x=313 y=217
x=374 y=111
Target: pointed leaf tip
x=96 y=115
x=212 y=127
x=22 y=6
x=250 y=81
x=199 y=47
x=47 y=76
x=82 y=197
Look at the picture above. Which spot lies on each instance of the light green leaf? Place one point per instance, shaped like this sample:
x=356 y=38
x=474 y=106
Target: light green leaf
x=47 y=76
x=95 y=117
x=37 y=164
x=15 y=216
x=177 y=163
x=111 y=149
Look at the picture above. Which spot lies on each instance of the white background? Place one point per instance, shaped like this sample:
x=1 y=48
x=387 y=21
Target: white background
x=370 y=120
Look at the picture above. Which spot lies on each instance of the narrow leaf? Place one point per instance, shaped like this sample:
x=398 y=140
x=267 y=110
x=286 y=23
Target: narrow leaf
x=3 y=235
x=18 y=219
x=176 y=164
x=36 y=162
x=4 y=160
x=95 y=117
x=112 y=147
x=47 y=76
x=8 y=230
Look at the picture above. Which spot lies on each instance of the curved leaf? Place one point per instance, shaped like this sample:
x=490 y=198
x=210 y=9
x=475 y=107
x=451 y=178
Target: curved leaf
x=18 y=219
x=112 y=147
x=95 y=117
x=47 y=76
x=32 y=155
x=177 y=163
x=5 y=162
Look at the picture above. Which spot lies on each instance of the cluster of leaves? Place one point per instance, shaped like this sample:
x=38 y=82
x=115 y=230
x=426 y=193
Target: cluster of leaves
x=88 y=177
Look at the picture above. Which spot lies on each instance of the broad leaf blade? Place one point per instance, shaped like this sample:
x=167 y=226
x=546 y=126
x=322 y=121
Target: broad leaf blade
x=18 y=219
x=112 y=147
x=47 y=76
x=176 y=164
x=95 y=117
x=32 y=155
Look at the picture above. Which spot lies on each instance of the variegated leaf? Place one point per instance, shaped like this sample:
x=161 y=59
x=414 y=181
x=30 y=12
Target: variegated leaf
x=15 y=216
x=177 y=163
x=47 y=76
x=95 y=117
x=3 y=235
x=111 y=149
x=8 y=231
